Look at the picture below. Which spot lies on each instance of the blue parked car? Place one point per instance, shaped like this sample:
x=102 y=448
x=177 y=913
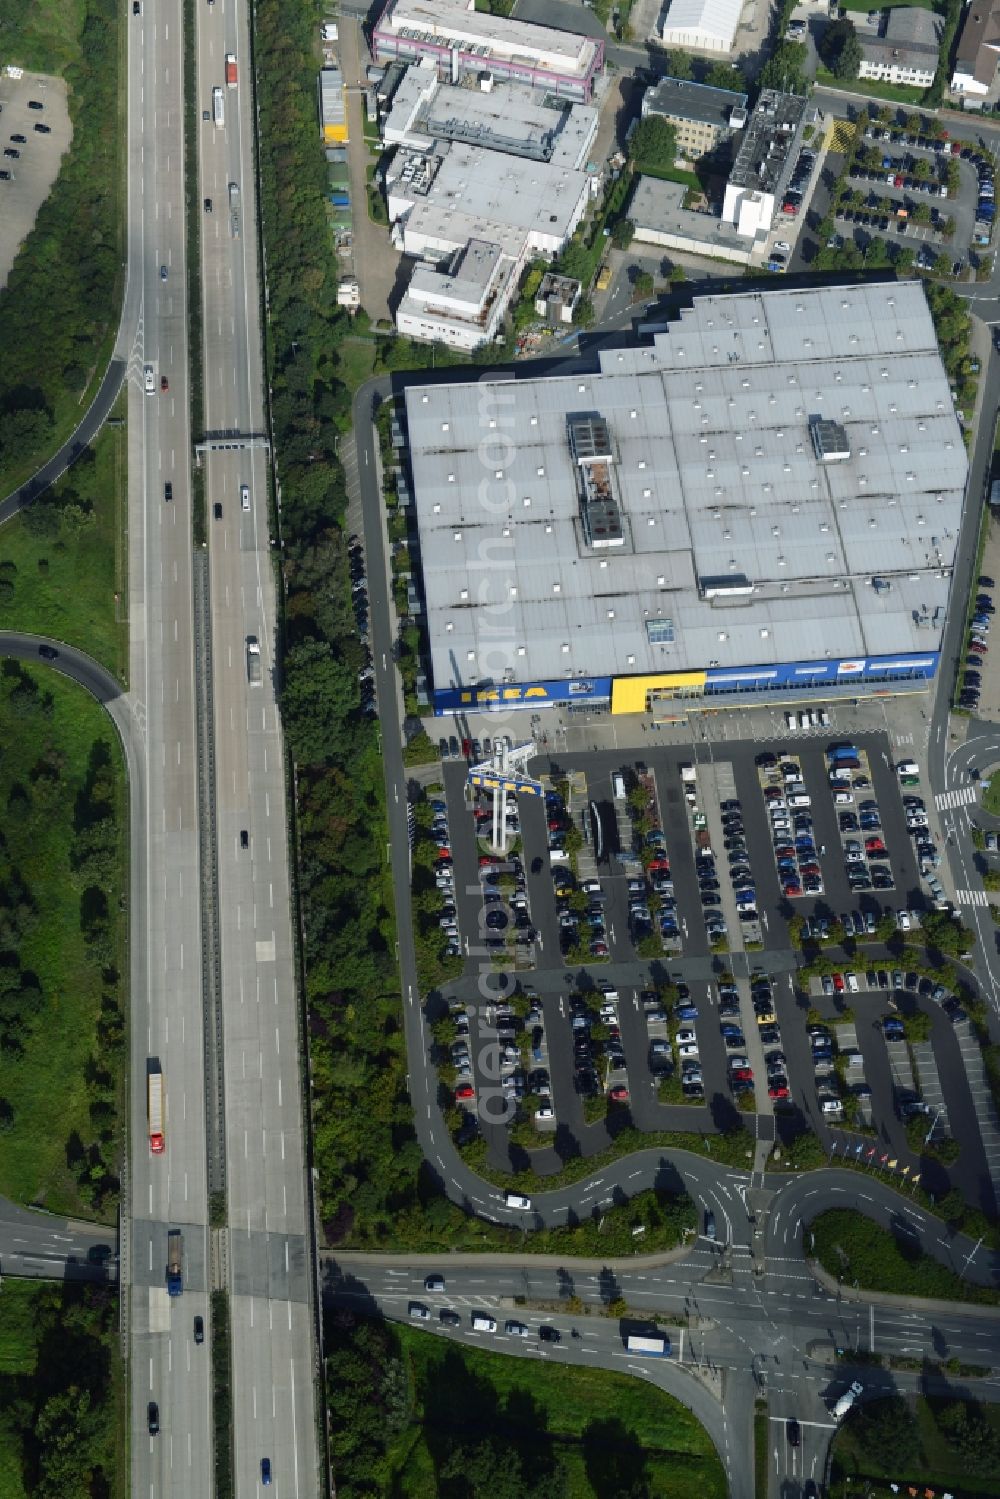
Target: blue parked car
x=687 y=1012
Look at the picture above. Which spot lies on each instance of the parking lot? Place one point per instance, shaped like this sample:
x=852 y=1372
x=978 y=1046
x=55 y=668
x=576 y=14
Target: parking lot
x=34 y=132
x=673 y=1025
x=923 y=192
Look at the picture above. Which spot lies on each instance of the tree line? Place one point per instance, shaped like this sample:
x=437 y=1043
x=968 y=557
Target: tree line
x=45 y=794
x=62 y=296
x=61 y=1416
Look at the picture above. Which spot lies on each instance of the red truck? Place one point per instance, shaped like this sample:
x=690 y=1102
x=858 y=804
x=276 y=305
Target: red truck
x=231 y=79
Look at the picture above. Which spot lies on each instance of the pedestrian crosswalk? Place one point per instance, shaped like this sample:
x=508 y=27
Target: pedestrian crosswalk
x=972 y=897
x=961 y=797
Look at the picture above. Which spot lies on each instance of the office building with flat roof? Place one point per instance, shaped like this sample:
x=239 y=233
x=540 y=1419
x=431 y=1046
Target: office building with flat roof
x=460 y=303
x=437 y=203
x=506 y=117
x=702 y=117
x=763 y=163
x=764 y=501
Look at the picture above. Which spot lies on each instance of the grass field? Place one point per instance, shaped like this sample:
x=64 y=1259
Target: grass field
x=64 y=584
x=991 y=794
x=42 y=35
x=610 y=1431
x=46 y=755
x=926 y=1457
x=891 y=93
x=857 y=1250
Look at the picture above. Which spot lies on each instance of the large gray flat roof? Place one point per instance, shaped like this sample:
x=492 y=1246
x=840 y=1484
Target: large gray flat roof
x=716 y=476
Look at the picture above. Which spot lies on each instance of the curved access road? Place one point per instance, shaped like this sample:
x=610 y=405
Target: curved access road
x=54 y=468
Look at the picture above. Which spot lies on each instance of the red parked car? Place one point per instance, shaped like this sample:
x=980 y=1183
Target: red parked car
x=619 y=1094
x=838 y=982
x=464 y=1091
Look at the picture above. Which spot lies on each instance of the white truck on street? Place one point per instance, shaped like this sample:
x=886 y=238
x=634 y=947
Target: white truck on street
x=652 y=1345
x=253 y=661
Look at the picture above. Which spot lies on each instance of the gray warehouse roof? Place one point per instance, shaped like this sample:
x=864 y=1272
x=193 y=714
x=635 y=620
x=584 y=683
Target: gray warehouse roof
x=719 y=471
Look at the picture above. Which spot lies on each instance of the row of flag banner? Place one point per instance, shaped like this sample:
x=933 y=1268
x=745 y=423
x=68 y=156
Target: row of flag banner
x=870 y=1155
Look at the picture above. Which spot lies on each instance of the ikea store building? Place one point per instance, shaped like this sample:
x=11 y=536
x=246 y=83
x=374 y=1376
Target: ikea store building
x=764 y=501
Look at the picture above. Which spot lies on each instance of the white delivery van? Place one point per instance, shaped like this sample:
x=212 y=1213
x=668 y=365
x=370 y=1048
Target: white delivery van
x=846 y=1400
x=481 y=1322
x=517 y=1200
x=618 y=786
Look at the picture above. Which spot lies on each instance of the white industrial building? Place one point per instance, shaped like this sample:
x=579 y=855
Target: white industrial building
x=701 y=25
x=462 y=302
x=457 y=39
x=765 y=500
x=438 y=203
x=508 y=117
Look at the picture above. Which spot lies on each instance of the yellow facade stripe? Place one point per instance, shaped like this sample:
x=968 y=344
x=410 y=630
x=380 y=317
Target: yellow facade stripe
x=629 y=694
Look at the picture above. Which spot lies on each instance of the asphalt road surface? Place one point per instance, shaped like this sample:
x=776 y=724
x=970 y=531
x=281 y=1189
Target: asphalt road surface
x=167 y=1191
x=745 y=1317
x=270 y=1262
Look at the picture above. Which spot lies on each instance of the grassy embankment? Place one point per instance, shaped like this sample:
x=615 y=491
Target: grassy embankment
x=63 y=565
x=854 y=1248
x=447 y=1417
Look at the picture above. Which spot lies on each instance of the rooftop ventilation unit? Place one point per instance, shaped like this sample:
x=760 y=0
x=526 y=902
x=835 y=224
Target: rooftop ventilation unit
x=829 y=440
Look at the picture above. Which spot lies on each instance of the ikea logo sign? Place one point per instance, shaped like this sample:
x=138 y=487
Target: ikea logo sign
x=477 y=697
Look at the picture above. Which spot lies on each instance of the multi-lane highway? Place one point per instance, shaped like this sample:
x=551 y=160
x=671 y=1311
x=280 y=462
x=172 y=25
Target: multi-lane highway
x=269 y=1256
x=168 y=1191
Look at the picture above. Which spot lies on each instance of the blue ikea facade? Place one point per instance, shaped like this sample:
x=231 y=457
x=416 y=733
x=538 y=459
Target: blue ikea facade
x=806 y=674
x=839 y=677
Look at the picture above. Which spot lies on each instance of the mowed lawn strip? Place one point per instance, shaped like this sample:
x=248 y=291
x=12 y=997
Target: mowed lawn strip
x=47 y=1087
x=576 y=1409
x=61 y=567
